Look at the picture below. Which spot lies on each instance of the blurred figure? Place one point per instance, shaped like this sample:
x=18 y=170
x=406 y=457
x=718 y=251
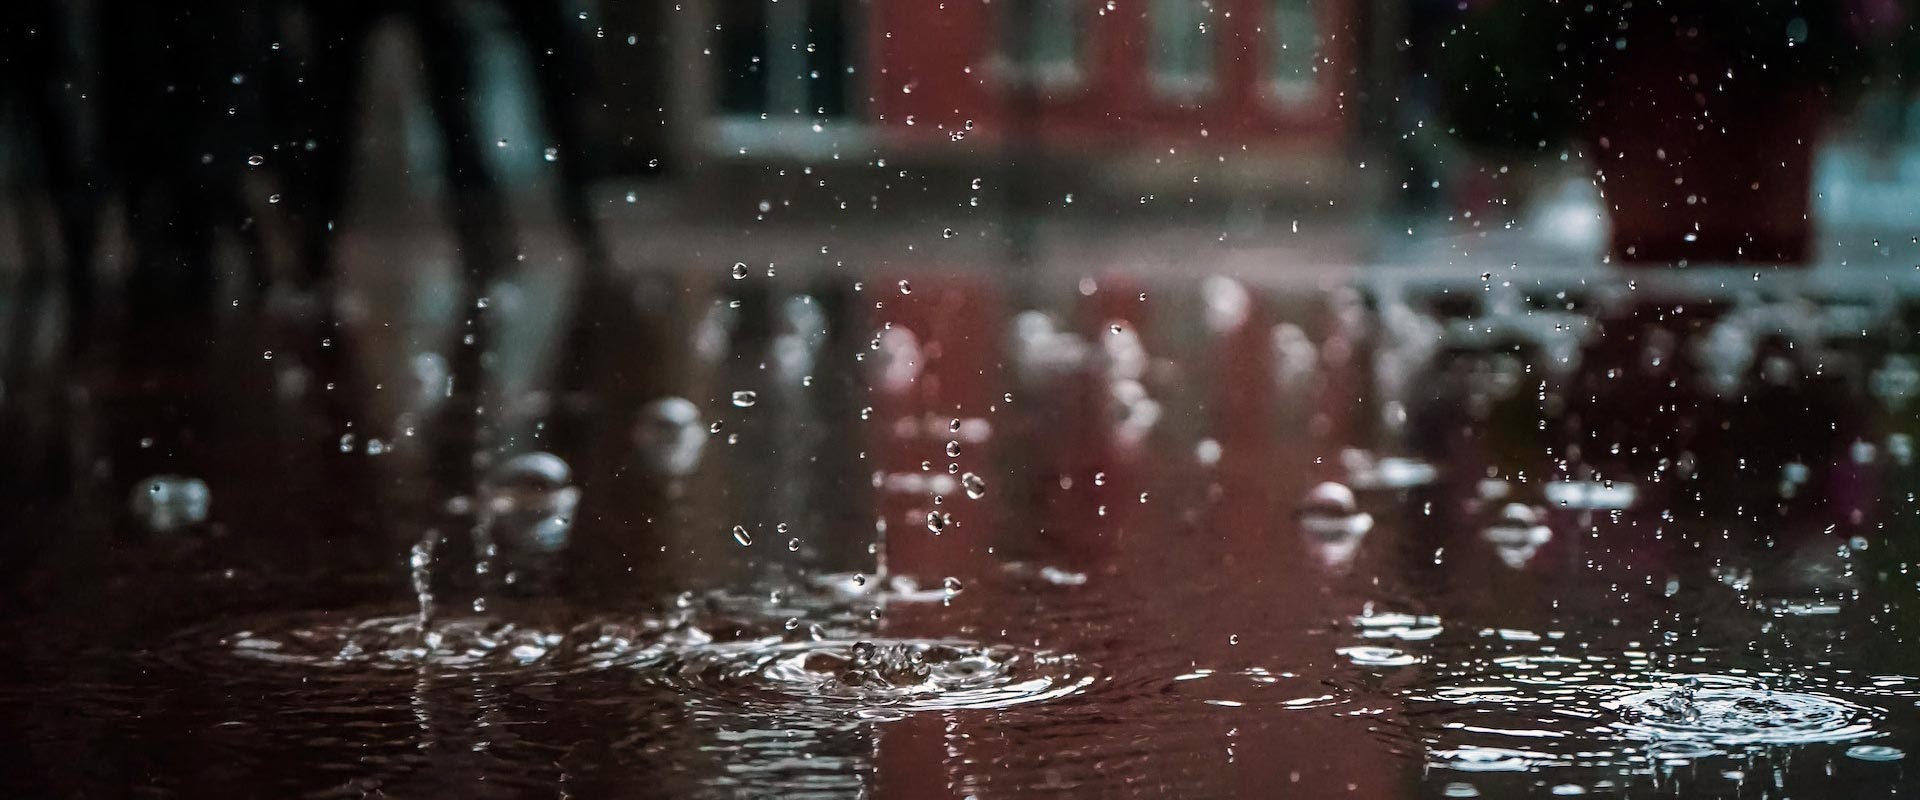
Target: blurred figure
x=184 y=114
x=45 y=93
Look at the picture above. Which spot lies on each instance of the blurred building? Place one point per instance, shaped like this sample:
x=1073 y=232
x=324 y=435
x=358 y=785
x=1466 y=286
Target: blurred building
x=1228 y=98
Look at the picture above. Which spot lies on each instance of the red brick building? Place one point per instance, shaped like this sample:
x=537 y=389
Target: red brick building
x=1159 y=89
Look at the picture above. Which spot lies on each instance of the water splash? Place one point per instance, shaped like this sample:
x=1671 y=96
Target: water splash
x=868 y=676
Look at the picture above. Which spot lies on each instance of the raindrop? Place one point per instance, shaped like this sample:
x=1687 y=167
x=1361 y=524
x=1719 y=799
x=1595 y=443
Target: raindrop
x=745 y=399
x=169 y=502
x=793 y=545
x=741 y=535
x=938 y=521
x=975 y=485
x=552 y=154
x=256 y=160
x=953 y=449
x=739 y=271
x=906 y=288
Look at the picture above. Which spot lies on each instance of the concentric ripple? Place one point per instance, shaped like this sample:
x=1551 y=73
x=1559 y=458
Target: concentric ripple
x=1728 y=712
x=874 y=675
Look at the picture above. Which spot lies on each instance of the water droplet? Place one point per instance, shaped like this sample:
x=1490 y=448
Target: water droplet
x=741 y=535
x=938 y=521
x=952 y=585
x=256 y=160
x=169 y=502
x=552 y=154
x=906 y=288
x=739 y=271
x=793 y=545
x=745 y=399
x=975 y=485
x=953 y=449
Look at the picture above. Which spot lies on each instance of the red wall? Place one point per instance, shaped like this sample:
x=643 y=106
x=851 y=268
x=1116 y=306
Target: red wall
x=931 y=61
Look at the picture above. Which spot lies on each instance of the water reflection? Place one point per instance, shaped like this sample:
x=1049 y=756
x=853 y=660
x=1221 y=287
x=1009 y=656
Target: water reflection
x=1364 y=541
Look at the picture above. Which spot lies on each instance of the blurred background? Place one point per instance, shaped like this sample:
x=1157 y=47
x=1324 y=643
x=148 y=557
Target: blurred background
x=675 y=338
x=258 y=140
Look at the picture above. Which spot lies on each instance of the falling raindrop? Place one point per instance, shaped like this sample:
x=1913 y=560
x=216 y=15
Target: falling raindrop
x=169 y=502
x=953 y=449
x=741 y=535
x=938 y=521
x=906 y=288
x=745 y=399
x=975 y=485
x=952 y=585
x=739 y=271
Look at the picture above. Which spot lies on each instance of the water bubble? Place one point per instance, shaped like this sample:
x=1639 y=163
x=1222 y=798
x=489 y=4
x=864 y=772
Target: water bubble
x=953 y=449
x=668 y=435
x=745 y=399
x=739 y=271
x=170 y=502
x=975 y=486
x=741 y=535
x=531 y=502
x=938 y=520
x=793 y=545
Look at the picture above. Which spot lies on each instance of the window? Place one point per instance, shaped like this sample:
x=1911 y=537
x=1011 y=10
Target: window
x=1182 y=37
x=1293 y=51
x=1041 y=40
x=790 y=58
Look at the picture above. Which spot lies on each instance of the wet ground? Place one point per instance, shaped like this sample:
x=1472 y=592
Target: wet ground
x=968 y=534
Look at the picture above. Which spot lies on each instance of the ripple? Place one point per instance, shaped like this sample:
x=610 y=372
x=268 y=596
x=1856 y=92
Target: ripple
x=1369 y=656
x=1489 y=759
x=1729 y=712
x=872 y=675
x=1402 y=627
x=1875 y=752
x=1259 y=687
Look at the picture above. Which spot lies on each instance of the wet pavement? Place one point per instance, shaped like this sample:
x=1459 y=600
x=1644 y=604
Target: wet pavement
x=937 y=532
